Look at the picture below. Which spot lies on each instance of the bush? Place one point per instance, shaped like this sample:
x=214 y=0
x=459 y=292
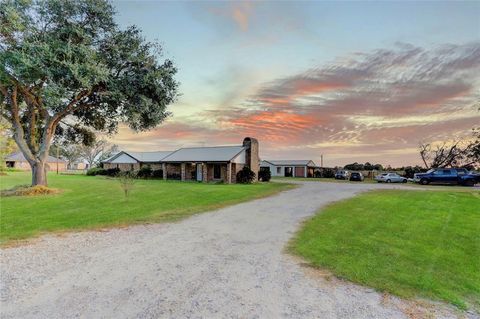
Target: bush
x=112 y=172
x=174 y=176
x=264 y=174
x=158 y=173
x=145 y=172
x=325 y=173
x=96 y=171
x=245 y=176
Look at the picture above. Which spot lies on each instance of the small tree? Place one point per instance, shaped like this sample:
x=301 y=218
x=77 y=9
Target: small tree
x=67 y=69
x=95 y=153
x=127 y=182
x=245 y=176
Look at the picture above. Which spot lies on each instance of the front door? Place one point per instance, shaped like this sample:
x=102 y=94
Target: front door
x=199 y=172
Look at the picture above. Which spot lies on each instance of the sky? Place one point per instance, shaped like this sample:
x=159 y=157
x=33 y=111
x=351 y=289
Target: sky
x=352 y=81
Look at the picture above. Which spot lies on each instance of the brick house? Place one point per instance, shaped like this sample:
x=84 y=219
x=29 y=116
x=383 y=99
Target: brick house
x=290 y=168
x=17 y=160
x=206 y=164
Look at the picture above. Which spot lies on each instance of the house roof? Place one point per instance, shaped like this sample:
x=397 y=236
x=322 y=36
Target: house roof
x=309 y=163
x=205 y=154
x=19 y=157
x=141 y=156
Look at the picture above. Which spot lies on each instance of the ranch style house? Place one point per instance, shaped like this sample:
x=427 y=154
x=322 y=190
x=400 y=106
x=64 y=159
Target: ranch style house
x=206 y=164
x=17 y=160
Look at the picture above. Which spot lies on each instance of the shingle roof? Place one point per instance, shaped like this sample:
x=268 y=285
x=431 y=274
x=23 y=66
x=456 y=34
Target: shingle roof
x=204 y=154
x=291 y=162
x=19 y=157
x=141 y=156
x=149 y=156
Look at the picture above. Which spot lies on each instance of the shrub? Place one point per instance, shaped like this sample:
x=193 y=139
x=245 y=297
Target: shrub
x=95 y=171
x=264 y=174
x=112 y=172
x=174 y=176
x=145 y=172
x=328 y=173
x=245 y=176
x=158 y=173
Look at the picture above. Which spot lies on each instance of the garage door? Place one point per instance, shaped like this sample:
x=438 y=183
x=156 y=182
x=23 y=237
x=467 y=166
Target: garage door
x=299 y=171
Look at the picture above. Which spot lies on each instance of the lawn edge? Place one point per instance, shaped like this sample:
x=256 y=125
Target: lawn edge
x=416 y=299
x=12 y=243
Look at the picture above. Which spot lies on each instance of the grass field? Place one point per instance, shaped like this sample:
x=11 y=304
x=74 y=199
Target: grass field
x=409 y=243
x=87 y=202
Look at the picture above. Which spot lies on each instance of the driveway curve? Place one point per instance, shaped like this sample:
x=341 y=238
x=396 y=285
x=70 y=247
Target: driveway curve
x=228 y=263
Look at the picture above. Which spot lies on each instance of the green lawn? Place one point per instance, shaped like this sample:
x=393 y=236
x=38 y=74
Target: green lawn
x=409 y=243
x=88 y=202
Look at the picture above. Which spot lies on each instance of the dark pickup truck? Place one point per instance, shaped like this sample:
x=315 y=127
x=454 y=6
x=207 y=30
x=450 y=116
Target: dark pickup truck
x=453 y=176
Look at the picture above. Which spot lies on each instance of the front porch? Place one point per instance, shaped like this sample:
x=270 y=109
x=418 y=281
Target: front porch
x=202 y=171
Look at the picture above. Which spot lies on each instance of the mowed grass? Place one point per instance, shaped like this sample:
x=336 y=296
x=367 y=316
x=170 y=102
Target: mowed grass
x=409 y=243
x=87 y=202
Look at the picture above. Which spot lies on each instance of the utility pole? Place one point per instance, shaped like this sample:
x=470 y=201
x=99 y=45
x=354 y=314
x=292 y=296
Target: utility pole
x=321 y=160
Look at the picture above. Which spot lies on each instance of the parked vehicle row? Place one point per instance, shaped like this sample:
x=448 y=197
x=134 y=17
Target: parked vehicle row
x=450 y=176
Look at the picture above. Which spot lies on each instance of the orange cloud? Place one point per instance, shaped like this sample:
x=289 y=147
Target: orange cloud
x=240 y=13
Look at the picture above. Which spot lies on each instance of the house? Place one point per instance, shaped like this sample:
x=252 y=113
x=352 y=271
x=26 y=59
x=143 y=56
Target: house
x=289 y=168
x=78 y=165
x=206 y=164
x=17 y=160
x=129 y=161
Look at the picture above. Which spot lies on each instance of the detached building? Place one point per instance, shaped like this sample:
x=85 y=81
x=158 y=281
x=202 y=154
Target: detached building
x=290 y=168
x=17 y=160
x=206 y=164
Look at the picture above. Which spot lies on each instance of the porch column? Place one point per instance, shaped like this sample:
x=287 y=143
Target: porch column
x=229 y=173
x=204 y=172
x=164 y=170
x=182 y=166
x=305 y=172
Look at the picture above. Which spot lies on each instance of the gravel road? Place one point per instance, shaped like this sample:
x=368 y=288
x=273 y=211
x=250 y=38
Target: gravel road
x=229 y=263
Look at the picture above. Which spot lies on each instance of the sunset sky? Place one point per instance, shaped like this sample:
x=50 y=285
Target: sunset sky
x=354 y=81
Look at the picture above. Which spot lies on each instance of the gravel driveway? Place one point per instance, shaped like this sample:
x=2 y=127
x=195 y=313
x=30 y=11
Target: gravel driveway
x=229 y=263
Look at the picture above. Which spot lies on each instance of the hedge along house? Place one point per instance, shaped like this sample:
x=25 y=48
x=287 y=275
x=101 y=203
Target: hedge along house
x=289 y=168
x=206 y=164
x=18 y=161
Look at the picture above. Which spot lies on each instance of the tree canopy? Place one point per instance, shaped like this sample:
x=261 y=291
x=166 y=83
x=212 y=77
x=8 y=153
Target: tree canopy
x=67 y=69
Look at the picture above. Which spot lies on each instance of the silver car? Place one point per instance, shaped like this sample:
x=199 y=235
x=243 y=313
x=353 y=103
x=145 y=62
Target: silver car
x=390 y=178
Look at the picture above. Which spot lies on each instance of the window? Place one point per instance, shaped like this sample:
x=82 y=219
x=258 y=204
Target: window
x=217 y=172
x=132 y=167
x=279 y=170
x=447 y=172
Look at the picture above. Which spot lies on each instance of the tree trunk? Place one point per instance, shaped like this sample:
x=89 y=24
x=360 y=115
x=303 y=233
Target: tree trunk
x=39 y=174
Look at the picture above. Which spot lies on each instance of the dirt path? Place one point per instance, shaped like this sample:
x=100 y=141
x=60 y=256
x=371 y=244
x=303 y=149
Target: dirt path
x=226 y=264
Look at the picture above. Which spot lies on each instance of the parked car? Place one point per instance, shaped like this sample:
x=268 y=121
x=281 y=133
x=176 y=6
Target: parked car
x=342 y=174
x=356 y=176
x=390 y=178
x=452 y=176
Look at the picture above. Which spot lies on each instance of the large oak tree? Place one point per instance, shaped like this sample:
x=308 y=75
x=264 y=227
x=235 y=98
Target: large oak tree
x=67 y=69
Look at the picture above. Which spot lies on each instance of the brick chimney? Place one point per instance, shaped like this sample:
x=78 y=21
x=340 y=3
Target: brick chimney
x=252 y=158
